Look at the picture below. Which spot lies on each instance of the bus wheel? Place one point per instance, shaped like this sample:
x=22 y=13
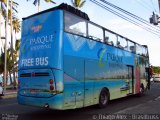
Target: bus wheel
x=103 y=98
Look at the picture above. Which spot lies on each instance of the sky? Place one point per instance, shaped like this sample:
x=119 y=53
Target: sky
x=141 y=8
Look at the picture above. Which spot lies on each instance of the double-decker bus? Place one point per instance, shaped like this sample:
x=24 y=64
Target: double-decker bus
x=66 y=62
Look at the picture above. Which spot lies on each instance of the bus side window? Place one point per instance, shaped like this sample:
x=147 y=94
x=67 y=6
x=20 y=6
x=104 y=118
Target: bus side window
x=144 y=50
x=95 y=32
x=122 y=43
x=139 y=49
x=131 y=47
x=75 y=25
x=119 y=45
x=106 y=40
x=110 y=38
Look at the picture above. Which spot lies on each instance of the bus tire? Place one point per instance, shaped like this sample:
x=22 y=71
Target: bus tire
x=103 y=98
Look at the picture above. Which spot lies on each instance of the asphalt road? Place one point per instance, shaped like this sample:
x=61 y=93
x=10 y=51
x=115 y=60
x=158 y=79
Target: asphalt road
x=132 y=105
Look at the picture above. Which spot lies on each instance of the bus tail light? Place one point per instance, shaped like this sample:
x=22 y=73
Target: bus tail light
x=51 y=81
x=51 y=87
x=51 y=84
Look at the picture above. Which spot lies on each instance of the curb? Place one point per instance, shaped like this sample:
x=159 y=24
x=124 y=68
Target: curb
x=14 y=95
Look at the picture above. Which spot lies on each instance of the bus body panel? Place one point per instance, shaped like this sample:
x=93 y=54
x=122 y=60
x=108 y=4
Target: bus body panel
x=67 y=70
x=35 y=82
x=73 y=81
x=104 y=67
x=40 y=61
x=54 y=102
x=41 y=44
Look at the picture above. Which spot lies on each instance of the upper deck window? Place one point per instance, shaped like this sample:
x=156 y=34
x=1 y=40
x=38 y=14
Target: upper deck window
x=110 y=38
x=131 y=47
x=122 y=43
x=139 y=49
x=95 y=32
x=145 y=51
x=74 y=24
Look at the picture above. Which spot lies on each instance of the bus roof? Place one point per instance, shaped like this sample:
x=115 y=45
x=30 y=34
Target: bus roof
x=65 y=7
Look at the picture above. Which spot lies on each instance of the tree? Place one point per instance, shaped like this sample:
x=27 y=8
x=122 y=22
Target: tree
x=11 y=17
x=13 y=5
x=11 y=62
x=16 y=26
x=78 y=3
x=16 y=55
x=38 y=2
x=156 y=70
x=4 y=4
x=9 y=65
x=11 y=14
x=2 y=13
x=50 y=1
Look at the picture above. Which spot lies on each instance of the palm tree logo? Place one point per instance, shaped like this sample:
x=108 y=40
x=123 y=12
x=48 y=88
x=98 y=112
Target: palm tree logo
x=101 y=54
x=24 y=46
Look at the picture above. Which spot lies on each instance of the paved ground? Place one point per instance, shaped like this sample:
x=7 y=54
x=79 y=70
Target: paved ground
x=9 y=94
x=128 y=108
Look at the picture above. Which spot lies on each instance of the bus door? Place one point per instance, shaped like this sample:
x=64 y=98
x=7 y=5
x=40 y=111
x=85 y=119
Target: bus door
x=88 y=84
x=130 y=81
x=73 y=82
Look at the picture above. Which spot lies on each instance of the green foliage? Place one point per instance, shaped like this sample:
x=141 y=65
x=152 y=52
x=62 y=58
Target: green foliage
x=78 y=3
x=156 y=70
x=37 y=2
x=3 y=8
x=10 y=61
x=16 y=25
x=17 y=45
x=50 y=1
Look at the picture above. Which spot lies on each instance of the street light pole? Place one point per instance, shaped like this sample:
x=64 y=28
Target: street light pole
x=5 y=60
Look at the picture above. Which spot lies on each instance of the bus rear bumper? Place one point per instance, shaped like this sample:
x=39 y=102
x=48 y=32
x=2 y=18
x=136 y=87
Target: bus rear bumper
x=54 y=102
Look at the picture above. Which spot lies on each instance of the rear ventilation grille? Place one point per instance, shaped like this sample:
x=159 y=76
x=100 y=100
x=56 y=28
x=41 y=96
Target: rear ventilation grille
x=41 y=74
x=25 y=75
x=36 y=74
